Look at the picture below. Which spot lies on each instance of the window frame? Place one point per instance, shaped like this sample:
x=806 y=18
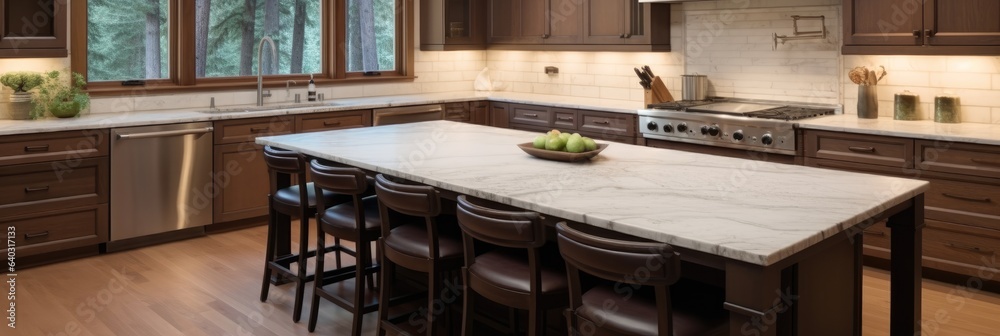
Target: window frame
x=182 y=76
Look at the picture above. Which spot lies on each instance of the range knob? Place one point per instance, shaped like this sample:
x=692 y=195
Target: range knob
x=652 y=126
x=683 y=127
x=704 y=130
x=668 y=128
x=713 y=130
x=738 y=135
x=767 y=139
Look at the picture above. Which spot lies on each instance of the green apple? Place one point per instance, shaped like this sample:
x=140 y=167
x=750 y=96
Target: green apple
x=564 y=136
x=575 y=145
x=540 y=141
x=589 y=144
x=555 y=144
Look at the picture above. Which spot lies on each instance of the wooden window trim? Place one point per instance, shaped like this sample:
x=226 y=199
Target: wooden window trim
x=182 y=68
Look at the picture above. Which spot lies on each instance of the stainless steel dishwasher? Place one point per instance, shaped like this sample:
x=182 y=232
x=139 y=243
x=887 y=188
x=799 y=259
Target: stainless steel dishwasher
x=161 y=180
x=407 y=114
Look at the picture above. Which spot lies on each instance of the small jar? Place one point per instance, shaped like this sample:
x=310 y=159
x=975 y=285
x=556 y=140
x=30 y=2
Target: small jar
x=905 y=107
x=947 y=109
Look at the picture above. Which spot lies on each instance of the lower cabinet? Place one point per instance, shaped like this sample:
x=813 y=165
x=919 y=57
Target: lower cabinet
x=54 y=231
x=609 y=126
x=474 y=112
x=240 y=171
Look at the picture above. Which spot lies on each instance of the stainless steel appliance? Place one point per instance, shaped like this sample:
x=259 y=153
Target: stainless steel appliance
x=761 y=126
x=694 y=87
x=161 y=179
x=407 y=114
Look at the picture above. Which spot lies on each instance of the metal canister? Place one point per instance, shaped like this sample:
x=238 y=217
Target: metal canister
x=694 y=87
x=905 y=107
x=947 y=109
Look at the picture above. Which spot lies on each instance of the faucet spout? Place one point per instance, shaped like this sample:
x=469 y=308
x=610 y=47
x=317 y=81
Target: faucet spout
x=260 y=68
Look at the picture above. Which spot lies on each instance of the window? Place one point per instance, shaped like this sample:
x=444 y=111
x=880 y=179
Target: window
x=217 y=47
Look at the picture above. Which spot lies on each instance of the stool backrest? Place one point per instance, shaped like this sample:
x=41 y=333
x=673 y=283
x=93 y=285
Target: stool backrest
x=281 y=165
x=407 y=199
x=498 y=224
x=341 y=180
x=632 y=262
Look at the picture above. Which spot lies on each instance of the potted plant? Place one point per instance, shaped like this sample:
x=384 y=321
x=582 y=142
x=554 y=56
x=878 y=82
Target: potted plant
x=21 y=82
x=61 y=99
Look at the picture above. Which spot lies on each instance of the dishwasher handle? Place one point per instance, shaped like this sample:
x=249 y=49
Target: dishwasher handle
x=162 y=134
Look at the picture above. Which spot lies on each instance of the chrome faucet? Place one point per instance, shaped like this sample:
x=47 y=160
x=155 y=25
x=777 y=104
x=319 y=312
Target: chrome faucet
x=260 y=68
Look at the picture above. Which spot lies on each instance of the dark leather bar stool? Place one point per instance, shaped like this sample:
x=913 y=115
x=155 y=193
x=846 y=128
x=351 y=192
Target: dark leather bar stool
x=289 y=200
x=641 y=307
x=416 y=236
x=518 y=274
x=356 y=221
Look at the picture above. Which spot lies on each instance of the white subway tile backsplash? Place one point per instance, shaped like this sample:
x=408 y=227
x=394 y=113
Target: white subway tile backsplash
x=976 y=114
x=996 y=81
x=996 y=115
x=961 y=81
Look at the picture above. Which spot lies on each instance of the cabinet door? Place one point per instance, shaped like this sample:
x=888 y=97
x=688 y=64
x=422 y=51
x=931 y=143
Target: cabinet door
x=243 y=183
x=459 y=18
x=480 y=113
x=498 y=115
x=648 y=24
x=963 y=22
x=502 y=16
x=605 y=21
x=883 y=22
x=565 y=24
x=33 y=28
x=531 y=21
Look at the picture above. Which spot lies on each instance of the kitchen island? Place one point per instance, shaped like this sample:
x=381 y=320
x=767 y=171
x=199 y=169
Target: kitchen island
x=787 y=237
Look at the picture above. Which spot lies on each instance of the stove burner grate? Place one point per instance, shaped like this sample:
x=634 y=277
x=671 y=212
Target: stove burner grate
x=790 y=113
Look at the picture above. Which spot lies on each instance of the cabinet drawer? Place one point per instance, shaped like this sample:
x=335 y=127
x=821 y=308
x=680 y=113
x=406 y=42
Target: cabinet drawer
x=964 y=202
x=607 y=123
x=531 y=115
x=62 y=146
x=565 y=120
x=240 y=130
x=959 y=158
x=333 y=120
x=59 y=230
x=870 y=149
x=960 y=244
x=457 y=112
x=36 y=187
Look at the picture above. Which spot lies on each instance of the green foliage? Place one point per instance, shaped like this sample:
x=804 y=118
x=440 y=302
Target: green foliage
x=21 y=81
x=58 y=94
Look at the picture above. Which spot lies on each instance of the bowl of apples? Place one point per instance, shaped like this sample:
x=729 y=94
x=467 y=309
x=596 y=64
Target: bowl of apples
x=558 y=146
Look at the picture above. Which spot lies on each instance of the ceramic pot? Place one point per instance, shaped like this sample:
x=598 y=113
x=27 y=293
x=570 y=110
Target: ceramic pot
x=20 y=106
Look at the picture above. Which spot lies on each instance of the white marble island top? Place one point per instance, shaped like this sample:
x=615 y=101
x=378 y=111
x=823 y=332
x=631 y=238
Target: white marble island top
x=746 y=210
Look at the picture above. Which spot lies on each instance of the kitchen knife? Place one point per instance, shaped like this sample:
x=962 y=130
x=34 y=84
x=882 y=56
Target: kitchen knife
x=645 y=85
x=642 y=77
x=648 y=71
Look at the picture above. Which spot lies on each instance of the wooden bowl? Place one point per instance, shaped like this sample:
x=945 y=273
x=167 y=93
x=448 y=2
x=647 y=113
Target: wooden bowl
x=560 y=156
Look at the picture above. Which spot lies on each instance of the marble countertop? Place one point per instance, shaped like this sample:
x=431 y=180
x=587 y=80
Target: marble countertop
x=143 y=118
x=922 y=129
x=751 y=211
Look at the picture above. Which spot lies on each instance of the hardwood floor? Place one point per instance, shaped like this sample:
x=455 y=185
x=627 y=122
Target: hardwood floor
x=210 y=286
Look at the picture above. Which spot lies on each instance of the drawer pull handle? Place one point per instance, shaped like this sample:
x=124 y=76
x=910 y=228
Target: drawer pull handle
x=980 y=161
x=602 y=122
x=969 y=248
x=967 y=198
x=531 y=115
x=862 y=149
x=565 y=118
x=36 y=235
x=259 y=129
x=35 y=189
x=31 y=149
x=875 y=233
x=331 y=123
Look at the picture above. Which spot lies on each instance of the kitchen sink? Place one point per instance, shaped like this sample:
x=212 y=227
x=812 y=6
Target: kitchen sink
x=265 y=108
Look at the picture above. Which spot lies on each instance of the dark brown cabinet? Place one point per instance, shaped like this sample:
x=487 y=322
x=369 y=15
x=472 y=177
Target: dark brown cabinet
x=932 y=27
x=33 y=28
x=528 y=22
x=627 y=22
x=452 y=25
x=618 y=127
x=239 y=162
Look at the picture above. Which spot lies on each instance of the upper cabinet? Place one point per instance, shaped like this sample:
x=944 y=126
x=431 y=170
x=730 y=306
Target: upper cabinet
x=452 y=24
x=587 y=25
x=930 y=27
x=528 y=22
x=33 y=28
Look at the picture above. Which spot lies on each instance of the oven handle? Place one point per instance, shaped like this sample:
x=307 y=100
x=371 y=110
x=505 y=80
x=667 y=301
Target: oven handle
x=163 y=134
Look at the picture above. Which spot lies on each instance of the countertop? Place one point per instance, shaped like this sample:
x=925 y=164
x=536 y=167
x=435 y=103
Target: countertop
x=988 y=134
x=701 y=202
x=143 y=118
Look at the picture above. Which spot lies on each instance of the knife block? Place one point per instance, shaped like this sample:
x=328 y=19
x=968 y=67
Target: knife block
x=657 y=93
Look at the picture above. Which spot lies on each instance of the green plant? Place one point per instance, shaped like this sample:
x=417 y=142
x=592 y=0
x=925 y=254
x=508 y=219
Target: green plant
x=56 y=94
x=21 y=81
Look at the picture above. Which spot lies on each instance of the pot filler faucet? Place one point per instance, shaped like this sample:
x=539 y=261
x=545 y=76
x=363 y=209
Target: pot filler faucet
x=260 y=68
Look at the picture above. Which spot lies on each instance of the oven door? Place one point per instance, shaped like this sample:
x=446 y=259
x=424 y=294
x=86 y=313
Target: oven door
x=723 y=151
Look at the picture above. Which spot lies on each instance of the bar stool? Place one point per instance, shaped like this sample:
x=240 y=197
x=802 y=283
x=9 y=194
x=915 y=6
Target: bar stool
x=357 y=221
x=638 y=283
x=415 y=236
x=517 y=274
x=290 y=200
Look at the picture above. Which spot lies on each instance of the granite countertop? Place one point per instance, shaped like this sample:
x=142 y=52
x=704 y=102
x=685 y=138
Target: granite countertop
x=696 y=201
x=143 y=118
x=988 y=134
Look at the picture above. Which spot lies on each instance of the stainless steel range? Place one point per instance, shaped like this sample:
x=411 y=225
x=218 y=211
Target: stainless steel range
x=763 y=126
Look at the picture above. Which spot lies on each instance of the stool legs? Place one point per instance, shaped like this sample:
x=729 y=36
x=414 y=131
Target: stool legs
x=385 y=290
x=269 y=254
x=300 y=283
